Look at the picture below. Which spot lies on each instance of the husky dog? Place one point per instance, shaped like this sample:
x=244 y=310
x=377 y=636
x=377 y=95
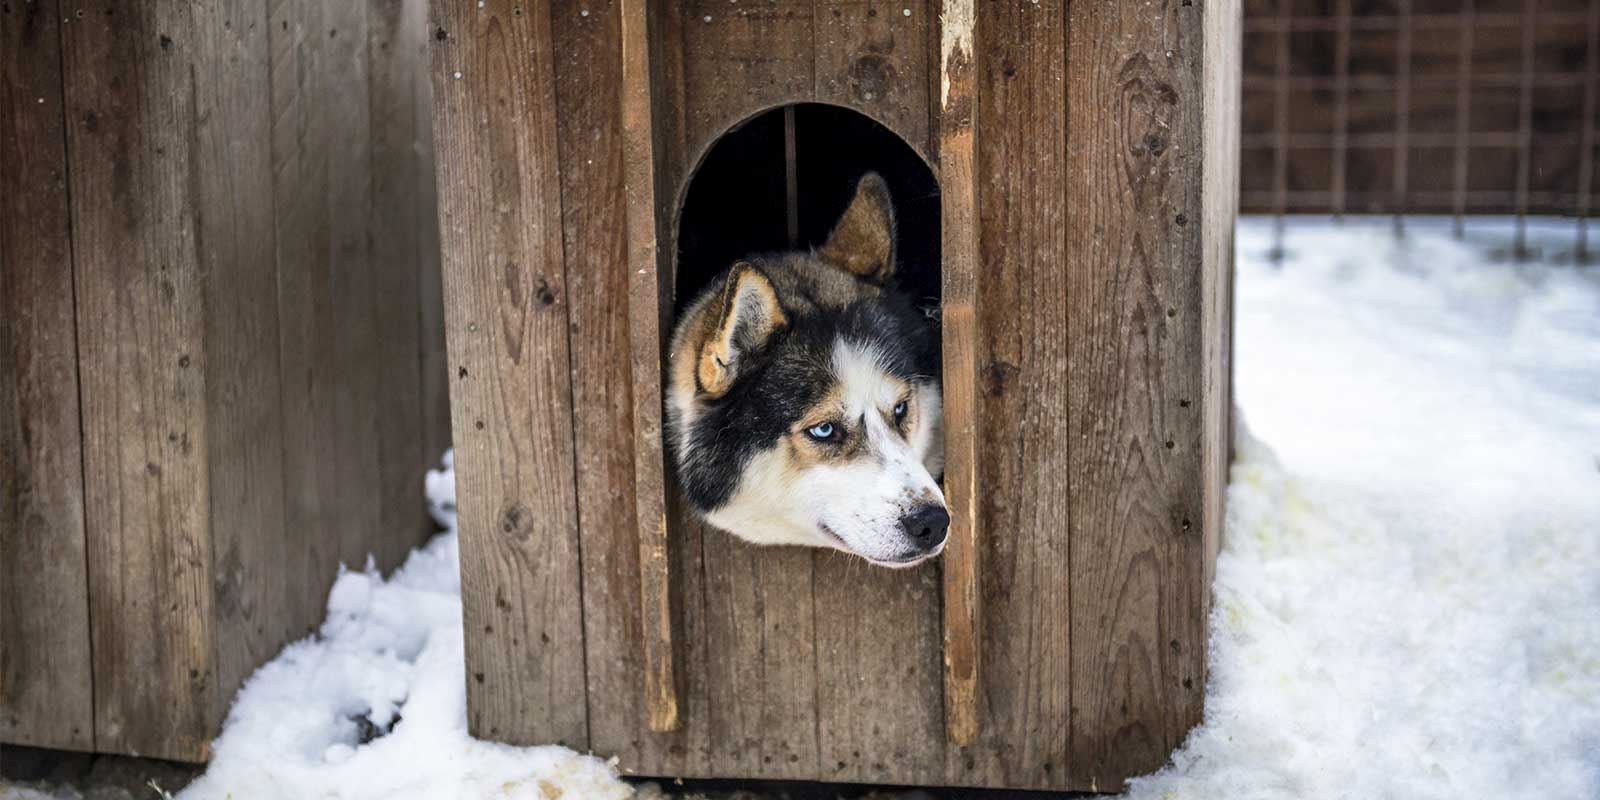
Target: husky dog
x=803 y=401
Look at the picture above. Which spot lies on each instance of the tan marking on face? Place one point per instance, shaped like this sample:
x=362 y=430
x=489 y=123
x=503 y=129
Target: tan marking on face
x=834 y=407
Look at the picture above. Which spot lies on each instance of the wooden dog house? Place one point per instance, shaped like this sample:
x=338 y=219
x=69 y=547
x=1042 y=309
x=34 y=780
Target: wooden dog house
x=1084 y=159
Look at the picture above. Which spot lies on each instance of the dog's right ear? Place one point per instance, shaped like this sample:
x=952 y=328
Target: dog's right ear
x=746 y=315
x=862 y=241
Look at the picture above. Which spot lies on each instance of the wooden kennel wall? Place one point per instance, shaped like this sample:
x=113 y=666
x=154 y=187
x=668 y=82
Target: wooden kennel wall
x=1086 y=157
x=221 y=346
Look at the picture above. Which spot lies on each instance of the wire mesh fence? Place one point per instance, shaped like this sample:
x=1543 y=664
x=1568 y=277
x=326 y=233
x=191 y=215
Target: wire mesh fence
x=1406 y=107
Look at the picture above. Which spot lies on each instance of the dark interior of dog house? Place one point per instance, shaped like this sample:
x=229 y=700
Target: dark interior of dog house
x=779 y=182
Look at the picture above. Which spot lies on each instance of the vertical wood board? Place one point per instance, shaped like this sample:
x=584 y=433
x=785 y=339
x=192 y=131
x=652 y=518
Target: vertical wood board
x=302 y=129
x=1135 y=385
x=257 y=610
x=588 y=85
x=1219 y=199
x=646 y=314
x=354 y=282
x=1021 y=425
x=46 y=697
x=399 y=233
x=131 y=110
x=506 y=316
x=962 y=621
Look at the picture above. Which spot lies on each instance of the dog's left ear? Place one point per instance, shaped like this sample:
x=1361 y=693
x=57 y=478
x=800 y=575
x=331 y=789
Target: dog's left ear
x=747 y=317
x=862 y=242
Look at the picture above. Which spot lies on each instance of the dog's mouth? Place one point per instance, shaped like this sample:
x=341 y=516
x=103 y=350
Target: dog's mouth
x=839 y=543
x=834 y=538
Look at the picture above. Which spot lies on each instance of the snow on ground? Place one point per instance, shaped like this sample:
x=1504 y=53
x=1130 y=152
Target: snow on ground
x=388 y=658
x=1408 y=598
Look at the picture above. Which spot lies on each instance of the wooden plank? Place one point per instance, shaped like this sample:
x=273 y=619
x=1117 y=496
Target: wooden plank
x=46 y=697
x=430 y=285
x=342 y=93
x=876 y=630
x=877 y=671
x=255 y=617
x=131 y=106
x=1219 y=200
x=874 y=57
x=962 y=616
x=762 y=657
x=594 y=207
x=1135 y=385
x=666 y=594
x=588 y=75
x=646 y=332
x=399 y=235
x=1022 y=431
x=743 y=58
x=301 y=129
x=506 y=314
x=687 y=751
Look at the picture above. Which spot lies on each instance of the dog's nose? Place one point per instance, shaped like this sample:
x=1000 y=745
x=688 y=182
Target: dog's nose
x=926 y=525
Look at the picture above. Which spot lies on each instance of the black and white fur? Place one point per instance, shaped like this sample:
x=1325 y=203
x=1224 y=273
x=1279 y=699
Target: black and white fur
x=803 y=401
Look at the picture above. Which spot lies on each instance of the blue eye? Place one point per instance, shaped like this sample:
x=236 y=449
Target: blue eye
x=821 y=432
x=899 y=411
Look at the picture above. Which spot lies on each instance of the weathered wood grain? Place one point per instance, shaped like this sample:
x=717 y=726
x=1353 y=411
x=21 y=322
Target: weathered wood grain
x=341 y=46
x=589 y=137
x=761 y=659
x=257 y=610
x=400 y=232
x=874 y=57
x=204 y=209
x=1021 y=424
x=131 y=109
x=302 y=128
x=672 y=686
x=435 y=370
x=507 y=326
x=1219 y=200
x=739 y=59
x=46 y=697
x=958 y=97
x=646 y=299
x=878 y=670
x=1135 y=384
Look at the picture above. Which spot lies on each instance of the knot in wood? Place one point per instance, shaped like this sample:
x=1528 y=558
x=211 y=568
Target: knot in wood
x=871 y=78
x=516 y=522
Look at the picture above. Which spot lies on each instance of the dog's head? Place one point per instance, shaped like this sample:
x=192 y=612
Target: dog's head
x=804 y=403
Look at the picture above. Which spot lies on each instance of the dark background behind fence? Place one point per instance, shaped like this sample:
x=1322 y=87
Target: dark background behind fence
x=1419 y=106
